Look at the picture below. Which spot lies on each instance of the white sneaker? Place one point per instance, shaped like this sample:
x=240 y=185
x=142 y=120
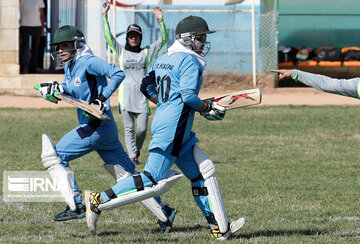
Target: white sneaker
x=92 y=212
x=234 y=226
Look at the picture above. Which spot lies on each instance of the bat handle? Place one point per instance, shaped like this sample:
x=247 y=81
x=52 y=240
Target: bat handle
x=36 y=86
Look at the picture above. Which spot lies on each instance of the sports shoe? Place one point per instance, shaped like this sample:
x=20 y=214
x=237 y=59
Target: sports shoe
x=233 y=227
x=92 y=212
x=69 y=214
x=166 y=226
x=135 y=161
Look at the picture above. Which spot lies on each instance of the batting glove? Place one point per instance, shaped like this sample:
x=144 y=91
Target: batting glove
x=49 y=88
x=214 y=112
x=100 y=103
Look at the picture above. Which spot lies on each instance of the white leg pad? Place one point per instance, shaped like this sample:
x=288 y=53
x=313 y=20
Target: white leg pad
x=155 y=208
x=160 y=188
x=208 y=171
x=58 y=173
x=116 y=171
x=150 y=204
x=72 y=180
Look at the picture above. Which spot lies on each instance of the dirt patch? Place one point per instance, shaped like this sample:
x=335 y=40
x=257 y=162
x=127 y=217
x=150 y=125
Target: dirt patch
x=215 y=85
x=233 y=82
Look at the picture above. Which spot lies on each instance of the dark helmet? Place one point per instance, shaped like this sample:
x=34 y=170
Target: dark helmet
x=192 y=24
x=67 y=33
x=187 y=30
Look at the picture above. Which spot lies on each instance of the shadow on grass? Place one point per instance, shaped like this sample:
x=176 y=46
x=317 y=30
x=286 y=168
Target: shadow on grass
x=270 y=233
x=165 y=238
x=89 y=235
x=183 y=229
x=110 y=233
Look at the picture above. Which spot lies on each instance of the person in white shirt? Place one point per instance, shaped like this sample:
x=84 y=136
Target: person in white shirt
x=32 y=21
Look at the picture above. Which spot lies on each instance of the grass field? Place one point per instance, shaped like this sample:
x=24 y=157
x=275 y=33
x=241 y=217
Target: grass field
x=292 y=171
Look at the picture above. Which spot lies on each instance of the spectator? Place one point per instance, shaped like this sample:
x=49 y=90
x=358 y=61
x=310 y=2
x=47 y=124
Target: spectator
x=42 y=45
x=134 y=60
x=32 y=21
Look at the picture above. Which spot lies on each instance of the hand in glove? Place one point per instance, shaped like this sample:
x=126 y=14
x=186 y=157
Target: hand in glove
x=214 y=112
x=49 y=88
x=100 y=103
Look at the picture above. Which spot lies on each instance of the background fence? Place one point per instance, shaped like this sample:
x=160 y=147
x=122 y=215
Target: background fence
x=231 y=46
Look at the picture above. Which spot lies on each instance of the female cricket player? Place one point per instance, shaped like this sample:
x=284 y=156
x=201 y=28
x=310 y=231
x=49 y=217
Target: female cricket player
x=85 y=78
x=174 y=83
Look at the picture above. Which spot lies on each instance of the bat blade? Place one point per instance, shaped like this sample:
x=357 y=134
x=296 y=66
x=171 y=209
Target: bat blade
x=238 y=99
x=89 y=108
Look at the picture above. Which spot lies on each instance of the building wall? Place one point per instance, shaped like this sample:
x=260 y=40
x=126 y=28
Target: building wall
x=9 y=37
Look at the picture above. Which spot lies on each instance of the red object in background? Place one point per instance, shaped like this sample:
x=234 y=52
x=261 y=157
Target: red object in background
x=118 y=4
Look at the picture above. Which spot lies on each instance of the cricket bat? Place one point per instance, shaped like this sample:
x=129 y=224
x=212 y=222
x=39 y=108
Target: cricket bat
x=238 y=99
x=89 y=108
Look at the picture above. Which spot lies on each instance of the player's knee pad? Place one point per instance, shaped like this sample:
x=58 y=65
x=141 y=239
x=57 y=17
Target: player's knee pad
x=116 y=171
x=58 y=173
x=141 y=192
x=208 y=172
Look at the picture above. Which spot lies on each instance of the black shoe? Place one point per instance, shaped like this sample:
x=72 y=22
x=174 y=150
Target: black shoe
x=170 y=214
x=69 y=214
x=135 y=161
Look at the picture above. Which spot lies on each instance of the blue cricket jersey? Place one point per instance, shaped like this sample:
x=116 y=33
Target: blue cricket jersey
x=177 y=78
x=85 y=78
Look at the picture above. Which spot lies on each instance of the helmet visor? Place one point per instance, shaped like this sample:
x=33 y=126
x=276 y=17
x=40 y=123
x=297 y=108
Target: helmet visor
x=63 y=51
x=201 y=38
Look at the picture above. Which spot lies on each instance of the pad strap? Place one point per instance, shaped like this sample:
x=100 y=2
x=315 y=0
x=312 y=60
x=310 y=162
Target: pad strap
x=211 y=219
x=150 y=177
x=199 y=191
x=138 y=182
x=199 y=177
x=110 y=193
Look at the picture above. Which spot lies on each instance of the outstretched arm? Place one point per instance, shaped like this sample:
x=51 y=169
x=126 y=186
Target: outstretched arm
x=113 y=44
x=156 y=46
x=345 y=87
x=283 y=73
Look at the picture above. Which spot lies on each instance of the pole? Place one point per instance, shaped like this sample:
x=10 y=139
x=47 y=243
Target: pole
x=114 y=28
x=253 y=42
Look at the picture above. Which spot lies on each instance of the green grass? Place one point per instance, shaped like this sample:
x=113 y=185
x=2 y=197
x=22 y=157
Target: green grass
x=292 y=171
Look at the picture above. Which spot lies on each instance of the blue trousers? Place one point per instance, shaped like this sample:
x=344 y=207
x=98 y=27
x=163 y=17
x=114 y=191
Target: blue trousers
x=158 y=165
x=104 y=141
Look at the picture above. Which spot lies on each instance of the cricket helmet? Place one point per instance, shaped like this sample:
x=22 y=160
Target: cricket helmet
x=67 y=33
x=191 y=27
x=192 y=24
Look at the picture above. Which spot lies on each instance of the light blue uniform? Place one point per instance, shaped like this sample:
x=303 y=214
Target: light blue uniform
x=85 y=78
x=178 y=79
